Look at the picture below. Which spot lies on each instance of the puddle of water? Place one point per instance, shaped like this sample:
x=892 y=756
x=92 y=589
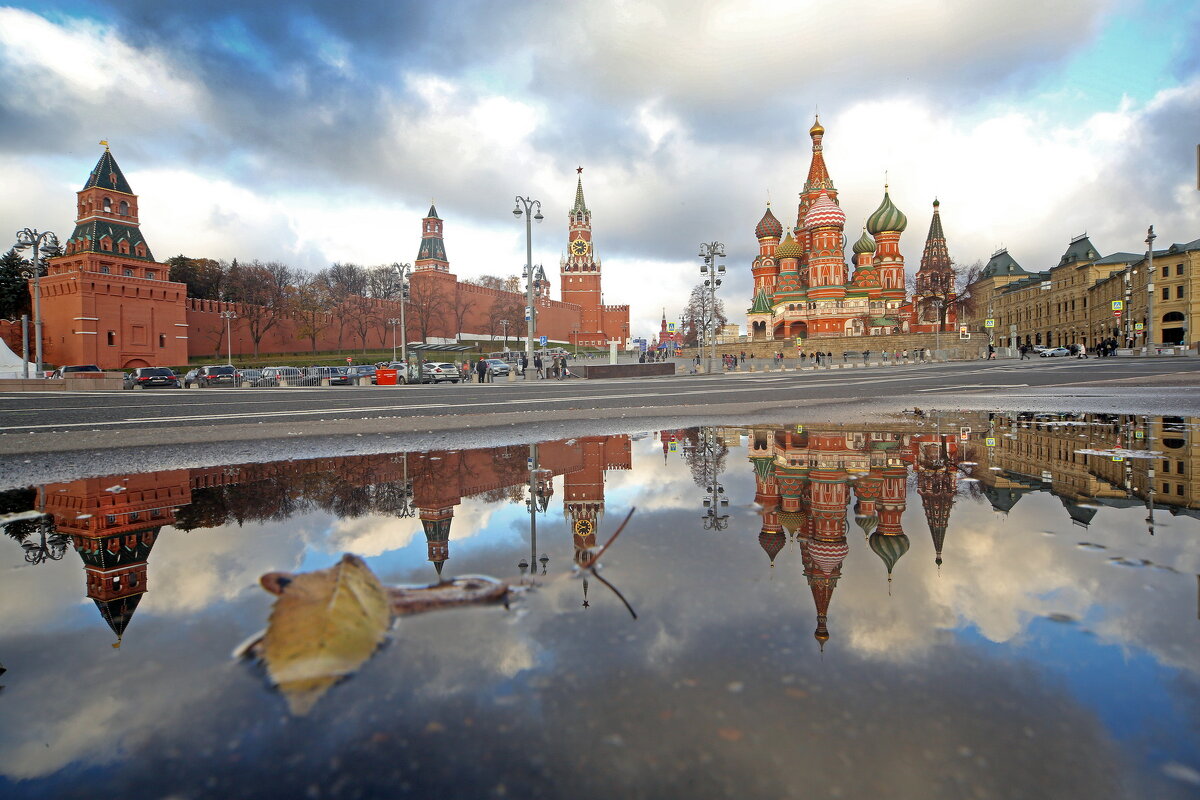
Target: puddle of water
x=797 y=610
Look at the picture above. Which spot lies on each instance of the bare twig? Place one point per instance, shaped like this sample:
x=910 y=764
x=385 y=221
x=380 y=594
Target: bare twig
x=591 y=561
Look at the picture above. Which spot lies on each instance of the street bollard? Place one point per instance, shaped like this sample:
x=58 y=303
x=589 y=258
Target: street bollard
x=512 y=376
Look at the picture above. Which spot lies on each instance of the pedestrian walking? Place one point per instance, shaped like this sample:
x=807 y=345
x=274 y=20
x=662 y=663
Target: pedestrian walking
x=481 y=370
x=991 y=354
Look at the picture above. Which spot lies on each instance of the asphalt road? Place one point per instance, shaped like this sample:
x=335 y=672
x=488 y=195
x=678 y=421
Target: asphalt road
x=168 y=408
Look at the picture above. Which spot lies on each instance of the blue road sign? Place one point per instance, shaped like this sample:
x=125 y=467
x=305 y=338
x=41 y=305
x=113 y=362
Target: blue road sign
x=542 y=340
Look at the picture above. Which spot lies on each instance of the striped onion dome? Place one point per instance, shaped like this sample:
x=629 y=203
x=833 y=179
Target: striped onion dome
x=827 y=555
x=824 y=213
x=768 y=227
x=887 y=217
x=868 y=524
x=791 y=520
x=865 y=243
x=772 y=542
x=788 y=248
x=889 y=548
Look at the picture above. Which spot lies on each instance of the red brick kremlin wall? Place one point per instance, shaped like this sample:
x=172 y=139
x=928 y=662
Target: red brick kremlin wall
x=206 y=329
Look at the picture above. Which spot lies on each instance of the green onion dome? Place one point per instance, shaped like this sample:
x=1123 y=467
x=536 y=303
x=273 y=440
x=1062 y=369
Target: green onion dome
x=768 y=227
x=772 y=542
x=889 y=548
x=788 y=248
x=887 y=217
x=865 y=243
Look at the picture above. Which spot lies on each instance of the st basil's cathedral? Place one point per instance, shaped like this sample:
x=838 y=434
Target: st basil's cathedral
x=803 y=288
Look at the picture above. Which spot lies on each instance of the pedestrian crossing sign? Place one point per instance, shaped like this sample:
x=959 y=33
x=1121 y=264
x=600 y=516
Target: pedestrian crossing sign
x=670 y=327
x=990 y=441
x=1137 y=326
x=989 y=323
x=1118 y=305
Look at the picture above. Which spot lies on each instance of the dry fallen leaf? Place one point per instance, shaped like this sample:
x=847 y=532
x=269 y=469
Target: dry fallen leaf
x=322 y=628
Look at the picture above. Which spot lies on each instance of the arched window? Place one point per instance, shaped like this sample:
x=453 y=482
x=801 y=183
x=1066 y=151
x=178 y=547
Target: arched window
x=1173 y=316
x=123 y=209
x=107 y=205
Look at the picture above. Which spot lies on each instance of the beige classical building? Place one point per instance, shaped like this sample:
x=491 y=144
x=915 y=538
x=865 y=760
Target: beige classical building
x=1077 y=300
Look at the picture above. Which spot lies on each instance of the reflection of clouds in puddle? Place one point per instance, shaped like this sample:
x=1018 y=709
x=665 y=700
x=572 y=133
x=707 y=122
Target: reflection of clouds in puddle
x=372 y=535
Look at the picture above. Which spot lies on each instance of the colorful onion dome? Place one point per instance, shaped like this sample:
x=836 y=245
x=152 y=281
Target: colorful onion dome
x=887 y=217
x=791 y=520
x=788 y=248
x=817 y=129
x=824 y=213
x=772 y=542
x=889 y=548
x=865 y=243
x=768 y=227
x=827 y=555
x=868 y=524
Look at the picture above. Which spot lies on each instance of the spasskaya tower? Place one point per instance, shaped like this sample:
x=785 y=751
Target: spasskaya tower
x=580 y=272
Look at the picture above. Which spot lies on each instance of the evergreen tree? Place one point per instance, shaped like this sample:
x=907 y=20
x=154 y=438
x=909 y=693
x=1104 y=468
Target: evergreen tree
x=14 y=286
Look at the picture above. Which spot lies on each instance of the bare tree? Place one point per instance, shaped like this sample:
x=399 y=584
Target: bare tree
x=343 y=282
x=266 y=291
x=383 y=282
x=510 y=284
x=704 y=315
x=462 y=307
x=966 y=302
x=312 y=306
x=510 y=307
x=428 y=308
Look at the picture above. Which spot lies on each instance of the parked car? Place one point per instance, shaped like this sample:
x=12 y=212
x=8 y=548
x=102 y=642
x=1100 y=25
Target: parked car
x=337 y=376
x=1055 y=351
x=249 y=377
x=358 y=371
x=438 y=371
x=281 y=376
x=204 y=377
x=1038 y=348
x=61 y=371
x=498 y=367
x=149 y=377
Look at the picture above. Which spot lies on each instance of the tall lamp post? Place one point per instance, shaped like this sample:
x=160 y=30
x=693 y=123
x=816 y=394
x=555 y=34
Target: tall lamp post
x=38 y=240
x=229 y=317
x=1149 y=340
x=710 y=252
x=393 y=321
x=532 y=209
x=402 y=270
x=504 y=327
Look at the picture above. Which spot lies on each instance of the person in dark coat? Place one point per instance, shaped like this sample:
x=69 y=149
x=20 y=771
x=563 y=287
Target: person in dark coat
x=481 y=369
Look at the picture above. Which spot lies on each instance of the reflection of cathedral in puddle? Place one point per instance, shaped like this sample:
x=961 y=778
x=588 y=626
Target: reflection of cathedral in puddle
x=803 y=480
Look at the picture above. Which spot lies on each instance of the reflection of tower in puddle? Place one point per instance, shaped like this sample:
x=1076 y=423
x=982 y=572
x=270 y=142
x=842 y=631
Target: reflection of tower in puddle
x=436 y=491
x=825 y=547
x=583 y=492
x=113 y=523
x=888 y=540
x=937 y=483
x=771 y=538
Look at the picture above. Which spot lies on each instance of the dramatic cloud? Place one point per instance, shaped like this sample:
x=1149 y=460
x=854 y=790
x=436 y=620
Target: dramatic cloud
x=316 y=133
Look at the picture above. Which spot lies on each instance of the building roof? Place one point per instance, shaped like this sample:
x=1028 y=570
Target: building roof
x=1119 y=258
x=107 y=175
x=1001 y=263
x=818 y=175
x=936 y=256
x=762 y=304
x=788 y=248
x=87 y=236
x=579 y=204
x=1080 y=249
x=824 y=213
x=865 y=243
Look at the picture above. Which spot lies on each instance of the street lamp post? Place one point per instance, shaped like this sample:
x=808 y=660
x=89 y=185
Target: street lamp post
x=504 y=327
x=710 y=252
x=403 y=271
x=527 y=207
x=394 y=321
x=32 y=237
x=1149 y=340
x=229 y=317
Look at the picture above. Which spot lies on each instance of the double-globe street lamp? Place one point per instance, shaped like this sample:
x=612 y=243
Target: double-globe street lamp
x=402 y=270
x=712 y=272
x=393 y=321
x=229 y=317
x=38 y=240
x=532 y=209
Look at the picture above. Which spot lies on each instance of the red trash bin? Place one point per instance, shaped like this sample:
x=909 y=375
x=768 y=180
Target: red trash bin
x=386 y=377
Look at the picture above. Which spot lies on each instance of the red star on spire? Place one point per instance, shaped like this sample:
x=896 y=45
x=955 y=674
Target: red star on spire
x=579 y=170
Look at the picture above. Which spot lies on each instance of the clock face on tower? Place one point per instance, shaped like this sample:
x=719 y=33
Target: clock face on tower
x=579 y=247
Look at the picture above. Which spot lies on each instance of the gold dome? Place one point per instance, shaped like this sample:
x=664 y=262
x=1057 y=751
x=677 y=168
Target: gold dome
x=816 y=129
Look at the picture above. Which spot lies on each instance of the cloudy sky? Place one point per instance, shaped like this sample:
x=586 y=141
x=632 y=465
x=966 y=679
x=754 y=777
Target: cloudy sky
x=316 y=132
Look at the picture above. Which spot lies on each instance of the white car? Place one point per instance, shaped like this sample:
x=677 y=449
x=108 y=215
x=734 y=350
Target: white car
x=1055 y=351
